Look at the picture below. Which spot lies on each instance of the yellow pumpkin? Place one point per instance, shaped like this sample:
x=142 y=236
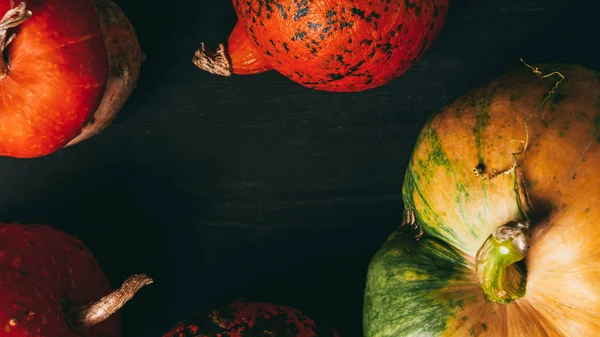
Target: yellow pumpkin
x=504 y=183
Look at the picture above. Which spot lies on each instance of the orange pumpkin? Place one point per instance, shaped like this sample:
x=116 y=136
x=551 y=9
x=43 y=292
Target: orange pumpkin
x=330 y=45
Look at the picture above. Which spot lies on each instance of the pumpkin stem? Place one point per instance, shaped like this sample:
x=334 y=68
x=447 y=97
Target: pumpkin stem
x=411 y=220
x=240 y=57
x=94 y=313
x=215 y=63
x=12 y=18
x=501 y=279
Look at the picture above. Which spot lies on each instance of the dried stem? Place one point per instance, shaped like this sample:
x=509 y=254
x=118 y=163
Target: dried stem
x=411 y=220
x=215 y=63
x=13 y=17
x=94 y=313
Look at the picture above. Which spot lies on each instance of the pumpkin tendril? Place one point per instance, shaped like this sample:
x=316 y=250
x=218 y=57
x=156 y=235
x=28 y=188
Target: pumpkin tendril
x=479 y=172
x=538 y=72
x=525 y=208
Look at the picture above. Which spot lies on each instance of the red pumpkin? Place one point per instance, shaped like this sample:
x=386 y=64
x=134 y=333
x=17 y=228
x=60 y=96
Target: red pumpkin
x=341 y=45
x=244 y=318
x=53 y=286
x=67 y=69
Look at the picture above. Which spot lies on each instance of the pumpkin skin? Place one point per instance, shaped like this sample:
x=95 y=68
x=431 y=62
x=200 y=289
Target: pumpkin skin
x=339 y=46
x=89 y=58
x=429 y=287
x=245 y=318
x=125 y=59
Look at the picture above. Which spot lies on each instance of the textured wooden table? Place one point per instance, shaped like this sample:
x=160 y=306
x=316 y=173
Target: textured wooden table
x=256 y=186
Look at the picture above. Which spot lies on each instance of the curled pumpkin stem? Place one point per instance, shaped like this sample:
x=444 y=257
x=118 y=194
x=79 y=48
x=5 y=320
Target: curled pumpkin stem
x=499 y=275
x=215 y=63
x=526 y=207
x=13 y=17
x=538 y=72
x=479 y=171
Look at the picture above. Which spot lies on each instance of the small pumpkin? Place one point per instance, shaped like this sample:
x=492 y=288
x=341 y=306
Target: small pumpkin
x=341 y=45
x=504 y=183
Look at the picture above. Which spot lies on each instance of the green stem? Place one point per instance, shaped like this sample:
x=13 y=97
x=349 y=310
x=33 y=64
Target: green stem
x=501 y=279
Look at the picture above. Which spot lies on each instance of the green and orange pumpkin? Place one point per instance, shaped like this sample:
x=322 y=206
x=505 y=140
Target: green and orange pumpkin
x=504 y=183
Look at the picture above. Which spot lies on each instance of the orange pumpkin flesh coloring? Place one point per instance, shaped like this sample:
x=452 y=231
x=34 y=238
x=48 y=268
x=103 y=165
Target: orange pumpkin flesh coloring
x=67 y=68
x=342 y=46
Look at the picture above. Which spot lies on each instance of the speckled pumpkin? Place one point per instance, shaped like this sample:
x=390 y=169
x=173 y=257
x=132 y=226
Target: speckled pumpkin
x=330 y=45
x=505 y=184
x=249 y=319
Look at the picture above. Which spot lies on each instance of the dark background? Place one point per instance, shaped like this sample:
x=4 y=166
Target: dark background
x=255 y=186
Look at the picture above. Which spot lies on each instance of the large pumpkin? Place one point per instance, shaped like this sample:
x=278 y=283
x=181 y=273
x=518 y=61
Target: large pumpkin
x=504 y=183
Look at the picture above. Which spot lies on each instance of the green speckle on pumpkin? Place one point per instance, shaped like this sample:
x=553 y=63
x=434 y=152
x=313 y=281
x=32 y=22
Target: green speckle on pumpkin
x=433 y=224
x=426 y=126
x=547 y=123
x=461 y=199
x=437 y=155
x=558 y=97
x=483 y=118
x=477 y=329
x=422 y=174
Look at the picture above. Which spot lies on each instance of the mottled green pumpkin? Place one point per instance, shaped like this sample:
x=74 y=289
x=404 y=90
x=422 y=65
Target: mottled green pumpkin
x=504 y=183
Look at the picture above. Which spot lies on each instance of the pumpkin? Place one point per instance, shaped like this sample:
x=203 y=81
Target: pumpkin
x=243 y=318
x=503 y=182
x=341 y=45
x=66 y=70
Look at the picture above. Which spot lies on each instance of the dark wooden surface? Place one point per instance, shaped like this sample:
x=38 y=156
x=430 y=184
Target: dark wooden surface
x=255 y=186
